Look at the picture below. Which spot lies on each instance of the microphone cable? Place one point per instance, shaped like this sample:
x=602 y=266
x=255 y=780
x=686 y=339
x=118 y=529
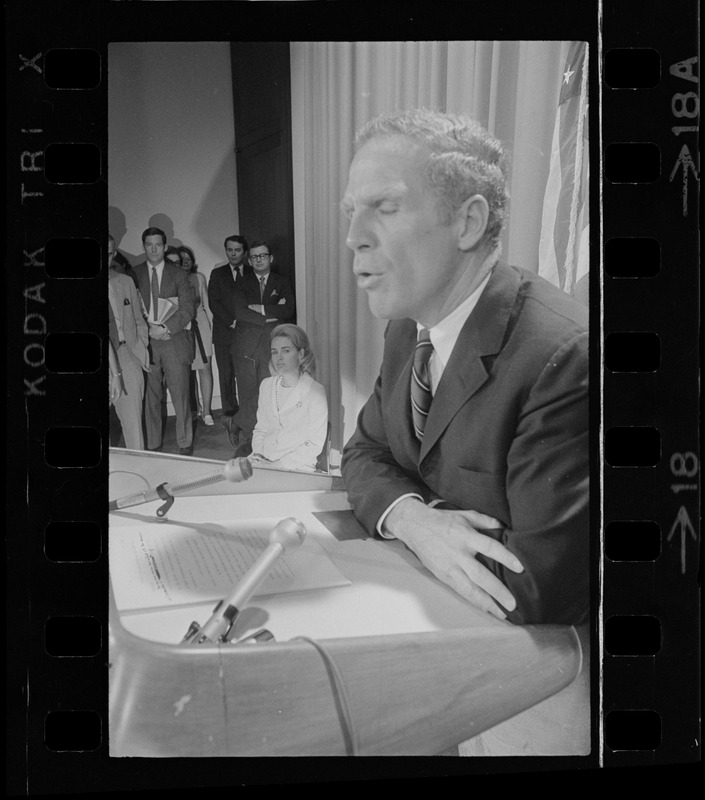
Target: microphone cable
x=127 y=472
x=340 y=696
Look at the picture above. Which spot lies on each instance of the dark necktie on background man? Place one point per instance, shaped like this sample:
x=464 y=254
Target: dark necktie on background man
x=155 y=294
x=421 y=382
x=262 y=282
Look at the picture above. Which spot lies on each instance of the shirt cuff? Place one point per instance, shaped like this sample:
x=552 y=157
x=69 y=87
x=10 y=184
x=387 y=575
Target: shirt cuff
x=380 y=521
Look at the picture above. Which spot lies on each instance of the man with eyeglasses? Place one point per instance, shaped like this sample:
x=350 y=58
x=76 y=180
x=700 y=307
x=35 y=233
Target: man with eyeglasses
x=263 y=299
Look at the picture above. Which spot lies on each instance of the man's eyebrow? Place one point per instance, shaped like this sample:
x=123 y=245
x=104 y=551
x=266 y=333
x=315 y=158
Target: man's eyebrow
x=392 y=193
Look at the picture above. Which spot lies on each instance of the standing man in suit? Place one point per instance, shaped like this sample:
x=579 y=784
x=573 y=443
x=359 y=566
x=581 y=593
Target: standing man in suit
x=262 y=300
x=171 y=345
x=130 y=338
x=221 y=293
x=476 y=458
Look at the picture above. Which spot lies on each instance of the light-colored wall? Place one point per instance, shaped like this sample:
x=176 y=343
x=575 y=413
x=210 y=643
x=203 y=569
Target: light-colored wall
x=171 y=159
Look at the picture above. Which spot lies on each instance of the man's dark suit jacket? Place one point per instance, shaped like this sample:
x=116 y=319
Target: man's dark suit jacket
x=252 y=331
x=221 y=294
x=506 y=435
x=174 y=283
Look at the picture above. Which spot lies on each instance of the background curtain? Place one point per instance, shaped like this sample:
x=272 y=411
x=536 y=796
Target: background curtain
x=512 y=88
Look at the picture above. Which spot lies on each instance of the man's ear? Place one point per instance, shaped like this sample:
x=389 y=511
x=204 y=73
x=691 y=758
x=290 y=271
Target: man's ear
x=472 y=220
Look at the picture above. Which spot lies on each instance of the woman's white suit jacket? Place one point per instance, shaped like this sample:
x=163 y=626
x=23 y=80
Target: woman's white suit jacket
x=294 y=435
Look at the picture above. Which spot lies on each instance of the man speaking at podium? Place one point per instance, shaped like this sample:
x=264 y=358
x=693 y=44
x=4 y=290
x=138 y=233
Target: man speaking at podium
x=473 y=448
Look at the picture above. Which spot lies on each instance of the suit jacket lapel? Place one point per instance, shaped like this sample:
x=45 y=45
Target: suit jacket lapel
x=482 y=335
x=120 y=301
x=112 y=327
x=143 y=282
x=167 y=283
x=399 y=397
x=269 y=288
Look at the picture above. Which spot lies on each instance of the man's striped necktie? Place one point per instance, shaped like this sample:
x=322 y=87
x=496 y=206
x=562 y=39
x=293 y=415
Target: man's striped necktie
x=421 y=382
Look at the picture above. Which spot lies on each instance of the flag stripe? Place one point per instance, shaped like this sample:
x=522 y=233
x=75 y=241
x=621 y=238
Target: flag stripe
x=565 y=211
x=578 y=191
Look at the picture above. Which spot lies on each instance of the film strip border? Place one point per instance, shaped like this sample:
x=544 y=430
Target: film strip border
x=650 y=612
x=57 y=421
x=57 y=411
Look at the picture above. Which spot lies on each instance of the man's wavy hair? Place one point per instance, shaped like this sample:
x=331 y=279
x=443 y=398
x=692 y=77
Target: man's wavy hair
x=464 y=160
x=236 y=238
x=298 y=337
x=154 y=232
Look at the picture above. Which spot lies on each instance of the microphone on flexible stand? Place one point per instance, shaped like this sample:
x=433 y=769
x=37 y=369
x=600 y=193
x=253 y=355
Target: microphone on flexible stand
x=287 y=535
x=235 y=470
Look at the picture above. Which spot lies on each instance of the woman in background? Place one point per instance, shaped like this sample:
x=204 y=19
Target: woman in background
x=292 y=412
x=202 y=330
x=172 y=255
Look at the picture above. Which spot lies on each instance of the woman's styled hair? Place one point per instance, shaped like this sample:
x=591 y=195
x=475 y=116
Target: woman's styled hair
x=172 y=251
x=184 y=249
x=297 y=336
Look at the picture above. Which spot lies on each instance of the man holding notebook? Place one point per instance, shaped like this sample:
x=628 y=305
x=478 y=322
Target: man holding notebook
x=170 y=303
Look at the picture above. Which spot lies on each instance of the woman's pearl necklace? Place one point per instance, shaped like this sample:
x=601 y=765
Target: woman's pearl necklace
x=280 y=383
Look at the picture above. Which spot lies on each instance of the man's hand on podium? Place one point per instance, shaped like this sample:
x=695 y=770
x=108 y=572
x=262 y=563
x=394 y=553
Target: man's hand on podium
x=447 y=542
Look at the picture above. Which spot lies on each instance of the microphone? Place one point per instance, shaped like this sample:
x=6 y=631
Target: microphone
x=286 y=536
x=235 y=470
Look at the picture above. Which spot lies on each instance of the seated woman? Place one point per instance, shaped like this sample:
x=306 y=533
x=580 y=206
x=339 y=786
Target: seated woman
x=292 y=412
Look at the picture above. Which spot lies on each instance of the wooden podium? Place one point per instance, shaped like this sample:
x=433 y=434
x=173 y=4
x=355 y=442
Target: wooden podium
x=395 y=664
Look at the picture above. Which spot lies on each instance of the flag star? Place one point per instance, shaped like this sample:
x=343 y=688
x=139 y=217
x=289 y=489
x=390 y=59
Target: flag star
x=567 y=75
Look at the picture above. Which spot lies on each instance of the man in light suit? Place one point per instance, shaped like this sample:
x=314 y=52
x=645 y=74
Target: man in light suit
x=221 y=292
x=171 y=344
x=262 y=300
x=129 y=336
x=486 y=478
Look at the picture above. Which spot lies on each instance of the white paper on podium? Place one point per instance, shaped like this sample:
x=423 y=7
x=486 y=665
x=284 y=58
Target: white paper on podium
x=170 y=566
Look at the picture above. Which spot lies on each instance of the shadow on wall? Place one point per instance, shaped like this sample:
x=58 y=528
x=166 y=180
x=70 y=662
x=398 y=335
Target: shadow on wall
x=166 y=224
x=117 y=226
x=211 y=218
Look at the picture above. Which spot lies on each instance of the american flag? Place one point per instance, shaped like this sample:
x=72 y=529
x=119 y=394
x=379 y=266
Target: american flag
x=565 y=226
